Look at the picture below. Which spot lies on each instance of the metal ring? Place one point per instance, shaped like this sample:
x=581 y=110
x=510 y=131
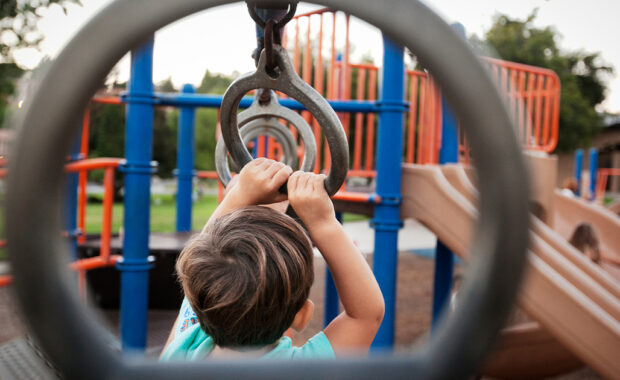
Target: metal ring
x=288 y=82
x=73 y=339
x=251 y=130
x=272 y=108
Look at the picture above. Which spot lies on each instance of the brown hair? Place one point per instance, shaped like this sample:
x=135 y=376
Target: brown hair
x=247 y=276
x=584 y=239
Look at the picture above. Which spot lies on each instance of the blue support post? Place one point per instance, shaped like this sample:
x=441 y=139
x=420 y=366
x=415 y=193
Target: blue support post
x=578 y=169
x=444 y=258
x=332 y=303
x=593 y=172
x=136 y=263
x=71 y=195
x=185 y=164
x=386 y=221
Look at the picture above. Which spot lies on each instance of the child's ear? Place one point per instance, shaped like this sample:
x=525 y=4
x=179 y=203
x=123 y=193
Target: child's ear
x=303 y=316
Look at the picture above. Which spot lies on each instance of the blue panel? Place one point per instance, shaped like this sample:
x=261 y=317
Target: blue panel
x=138 y=153
x=593 y=171
x=185 y=165
x=578 y=169
x=386 y=221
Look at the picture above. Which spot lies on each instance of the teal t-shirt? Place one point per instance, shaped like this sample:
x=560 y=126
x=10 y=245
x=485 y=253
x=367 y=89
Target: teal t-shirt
x=190 y=343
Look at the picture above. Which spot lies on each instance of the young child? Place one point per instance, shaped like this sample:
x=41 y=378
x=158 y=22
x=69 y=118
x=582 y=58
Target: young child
x=247 y=276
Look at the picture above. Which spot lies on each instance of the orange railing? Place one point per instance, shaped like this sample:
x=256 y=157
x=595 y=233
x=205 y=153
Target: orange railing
x=532 y=95
x=104 y=259
x=601 y=181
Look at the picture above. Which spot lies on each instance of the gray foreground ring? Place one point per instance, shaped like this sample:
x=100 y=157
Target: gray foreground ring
x=289 y=83
x=255 y=128
x=76 y=343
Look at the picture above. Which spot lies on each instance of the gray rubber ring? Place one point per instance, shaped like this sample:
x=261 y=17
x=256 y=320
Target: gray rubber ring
x=76 y=343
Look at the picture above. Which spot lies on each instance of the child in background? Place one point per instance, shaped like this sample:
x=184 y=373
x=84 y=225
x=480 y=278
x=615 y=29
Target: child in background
x=247 y=276
x=584 y=239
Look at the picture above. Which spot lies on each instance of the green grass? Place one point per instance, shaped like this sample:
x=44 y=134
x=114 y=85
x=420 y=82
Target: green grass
x=163 y=214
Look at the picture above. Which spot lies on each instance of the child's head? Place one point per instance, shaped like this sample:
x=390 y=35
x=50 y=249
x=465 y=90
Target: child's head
x=248 y=276
x=584 y=239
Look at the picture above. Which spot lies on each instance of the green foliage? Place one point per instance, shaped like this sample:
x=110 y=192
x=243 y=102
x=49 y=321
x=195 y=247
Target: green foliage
x=18 y=28
x=206 y=125
x=9 y=73
x=206 y=120
x=214 y=83
x=581 y=74
x=18 y=23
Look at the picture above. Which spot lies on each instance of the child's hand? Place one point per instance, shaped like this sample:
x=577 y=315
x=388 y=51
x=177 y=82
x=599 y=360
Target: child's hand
x=260 y=180
x=307 y=196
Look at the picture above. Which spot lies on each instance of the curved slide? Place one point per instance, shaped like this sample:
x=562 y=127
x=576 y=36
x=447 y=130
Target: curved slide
x=573 y=299
x=569 y=212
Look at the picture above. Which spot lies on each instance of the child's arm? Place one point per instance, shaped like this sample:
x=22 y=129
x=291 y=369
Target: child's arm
x=258 y=183
x=361 y=297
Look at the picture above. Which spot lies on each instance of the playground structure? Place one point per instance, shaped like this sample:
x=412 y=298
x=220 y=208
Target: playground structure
x=431 y=137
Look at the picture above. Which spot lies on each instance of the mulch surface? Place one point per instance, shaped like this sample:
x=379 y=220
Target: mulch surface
x=412 y=325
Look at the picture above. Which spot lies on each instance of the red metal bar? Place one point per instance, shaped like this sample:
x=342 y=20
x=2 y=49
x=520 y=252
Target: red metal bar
x=94 y=263
x=411 y=127
x=359 y=121
x=108 y=203
x=5 y=280
x=92 y=164
x=370 y=120
x=107 y=100
x=82 y=179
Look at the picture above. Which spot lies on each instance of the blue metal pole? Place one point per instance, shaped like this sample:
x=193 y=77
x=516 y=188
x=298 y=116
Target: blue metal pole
x=215 y=101
x=332 y=303
x=386 y=221
x=71 y=195
x=185 y=164
x=593 y=172
x=578 y=169
x=444 y=258
x=137 y=168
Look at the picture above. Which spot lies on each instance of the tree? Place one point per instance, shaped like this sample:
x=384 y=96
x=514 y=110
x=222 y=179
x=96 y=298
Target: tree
x=581 y=74
x=18 y=28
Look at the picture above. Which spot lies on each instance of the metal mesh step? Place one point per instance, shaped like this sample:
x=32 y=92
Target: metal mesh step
x=19 y=359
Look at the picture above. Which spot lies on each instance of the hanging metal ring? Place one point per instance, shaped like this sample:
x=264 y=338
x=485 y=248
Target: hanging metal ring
x=253 y=129
x=288 y=82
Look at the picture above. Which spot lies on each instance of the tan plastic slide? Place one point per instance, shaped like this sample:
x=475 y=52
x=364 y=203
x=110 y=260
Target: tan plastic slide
x=574 y=300
x=569 y=212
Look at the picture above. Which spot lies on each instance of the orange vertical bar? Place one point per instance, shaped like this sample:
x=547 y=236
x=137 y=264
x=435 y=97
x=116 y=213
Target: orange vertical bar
x=529 y=113
x=547 y=112
x=332 y=61
x=296 y=51
x=346 y=70
x=413 y=100
x=437 y=124
x=513 y=97
x=421 y=121
x=556 y=115
x=521 y=106
x=82 y=178
x=359 y=121
x=108 y=203
x=537 y=115
x=370 y=121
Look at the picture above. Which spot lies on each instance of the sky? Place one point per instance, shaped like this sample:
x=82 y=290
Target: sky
x=185 y=49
